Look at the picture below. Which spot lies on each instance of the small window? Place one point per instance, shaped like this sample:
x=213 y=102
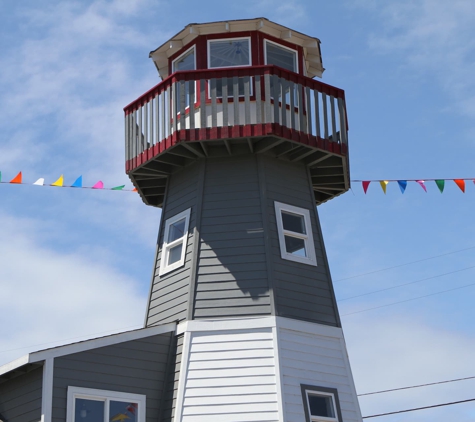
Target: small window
x=321 y=404
x=281 y=56
x=231 y=52
x=295 y=234
x=174 y=242
x=91 y=405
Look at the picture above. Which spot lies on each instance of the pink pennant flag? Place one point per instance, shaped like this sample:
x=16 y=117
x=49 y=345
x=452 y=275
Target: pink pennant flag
x=366 y=184
x=421 y=183
x=98 y=185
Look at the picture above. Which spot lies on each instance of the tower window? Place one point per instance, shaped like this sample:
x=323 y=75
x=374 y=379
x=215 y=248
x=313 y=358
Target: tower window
x=174 y=242
x=295 y=234
x=281 y=56
x=91 y=405
x=321 y=404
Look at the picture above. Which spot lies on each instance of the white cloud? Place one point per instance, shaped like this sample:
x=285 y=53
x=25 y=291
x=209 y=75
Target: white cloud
x=50 y=296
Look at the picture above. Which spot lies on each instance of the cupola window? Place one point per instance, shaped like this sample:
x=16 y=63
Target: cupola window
x=281 y=56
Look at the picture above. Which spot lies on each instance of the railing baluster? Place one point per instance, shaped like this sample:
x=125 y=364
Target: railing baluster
x=276 y=91
x=267 y=95
x=284 y=83
x=342 y=117
x=214 y=110
x=140 y=130
x=333 y=117
x=247 y=104
x=317 y=113
x=182 y=104
x=258 y=100
x=134 y=134
x=292 y=105
x=157 y=120
x=145 y=124
x=164 y=110
x=202 y=104
x=191 y=87
x=308 y=128
x=174 y=106
x=224 y=93
x=236 y=100
x=325 y=115
x=301 y=115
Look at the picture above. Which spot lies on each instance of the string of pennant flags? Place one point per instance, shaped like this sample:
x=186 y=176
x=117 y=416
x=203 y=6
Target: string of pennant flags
x=440 y=183
x=78 y=183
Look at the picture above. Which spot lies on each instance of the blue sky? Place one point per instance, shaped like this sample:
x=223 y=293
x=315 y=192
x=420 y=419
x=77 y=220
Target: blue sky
x=77 y=263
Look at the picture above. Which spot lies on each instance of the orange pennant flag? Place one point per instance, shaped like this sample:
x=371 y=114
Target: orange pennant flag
x=58 y=182
x=134 y=190
x=16 y=179
x=461 y=184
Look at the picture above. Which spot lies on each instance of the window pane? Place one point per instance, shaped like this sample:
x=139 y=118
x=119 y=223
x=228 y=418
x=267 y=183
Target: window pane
x=295 y=246
x=293 y=222
x=228 y=53
x=123 y=411
x=321 y=406
x=89 y=411
x=187 y=62
x=281 y=57
x=176 y=230
x=174 y=254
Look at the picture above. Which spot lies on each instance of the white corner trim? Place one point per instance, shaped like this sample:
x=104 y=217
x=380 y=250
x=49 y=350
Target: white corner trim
x=279 y=377
x=180 y=395
x=47 y=391
x=100 y=342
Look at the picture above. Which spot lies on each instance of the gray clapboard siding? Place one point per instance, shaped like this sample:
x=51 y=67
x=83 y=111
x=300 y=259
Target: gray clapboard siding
x=314 y=301
x=319 y=360
x=169 y=293
x=20 y=397
x=137 y=366
x=169 y=402
x=229 y=281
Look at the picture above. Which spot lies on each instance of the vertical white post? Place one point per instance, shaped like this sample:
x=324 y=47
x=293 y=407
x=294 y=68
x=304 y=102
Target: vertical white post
x=47 y=390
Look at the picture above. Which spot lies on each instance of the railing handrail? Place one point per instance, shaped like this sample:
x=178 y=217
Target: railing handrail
x=206 y=74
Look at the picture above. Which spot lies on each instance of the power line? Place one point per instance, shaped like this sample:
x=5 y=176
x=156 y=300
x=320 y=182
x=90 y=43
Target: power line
x=406 y=284
x=416 y=386
x=418 y=408
x=402 y=265
x=408 y=300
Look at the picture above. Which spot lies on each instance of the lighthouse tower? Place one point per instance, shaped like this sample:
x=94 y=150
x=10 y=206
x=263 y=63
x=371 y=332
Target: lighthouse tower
x=237 y=145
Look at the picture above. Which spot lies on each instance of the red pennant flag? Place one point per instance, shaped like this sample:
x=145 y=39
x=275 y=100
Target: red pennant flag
x=134 y=190
x=366 y=184
x=16 y=179
x=461 y=184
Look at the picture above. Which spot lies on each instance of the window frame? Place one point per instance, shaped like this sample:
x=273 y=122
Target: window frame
x=182 y=55
x=104 y=396
x=164 y=268
x=310 y=259
x=284 y=48
x=208 y=55
x=321 y=391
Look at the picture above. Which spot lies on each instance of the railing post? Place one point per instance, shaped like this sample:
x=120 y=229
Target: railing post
x=236 y=100
x=335 y=137
x=342 y=118
x=325 y=115
x=308 y=125
x=202 y=104
x=191 y=86
x=247 y=104
x=258 y=99
x=292 y=104
x=225 y=99
x=267 y=95
x=214 y=110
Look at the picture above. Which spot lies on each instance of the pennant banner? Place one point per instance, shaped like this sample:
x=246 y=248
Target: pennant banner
x=440 y=183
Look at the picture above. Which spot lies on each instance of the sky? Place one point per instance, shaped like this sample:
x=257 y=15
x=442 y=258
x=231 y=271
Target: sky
x=76 y=263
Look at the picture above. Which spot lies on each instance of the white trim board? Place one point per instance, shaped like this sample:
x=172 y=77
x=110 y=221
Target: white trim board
x=85 y=345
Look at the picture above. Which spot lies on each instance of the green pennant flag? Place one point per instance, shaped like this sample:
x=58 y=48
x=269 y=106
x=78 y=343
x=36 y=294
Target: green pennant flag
x=118 y=187
x=0 y=177
x=440 y=184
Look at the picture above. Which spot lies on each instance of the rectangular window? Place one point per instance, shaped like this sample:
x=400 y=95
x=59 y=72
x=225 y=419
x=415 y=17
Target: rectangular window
x=91 y=405
x=295 y=234
x=281 y=56
x=321 y=404
x=186 y=61
x=230 y=52
x=174 y=242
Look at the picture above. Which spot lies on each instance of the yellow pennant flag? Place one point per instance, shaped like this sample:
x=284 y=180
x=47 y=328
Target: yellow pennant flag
x=383 y=184
x=58 y=182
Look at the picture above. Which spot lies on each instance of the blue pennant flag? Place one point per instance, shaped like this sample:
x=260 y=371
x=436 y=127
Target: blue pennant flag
x=77 y=183
x=402 y=185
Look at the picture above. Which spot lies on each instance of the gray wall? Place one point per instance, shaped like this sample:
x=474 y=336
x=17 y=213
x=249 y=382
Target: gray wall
x=20 y=397
x=172 y=382
x=138 y=367
x=233 y=265
x=169 y=294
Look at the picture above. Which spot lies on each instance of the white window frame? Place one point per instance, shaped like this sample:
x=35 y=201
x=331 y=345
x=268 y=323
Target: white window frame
x=229 y=39
x=182 y=55
x=104 y=396
x=325 y=392
x=310 y=259
x=283 y=47
x=164 y=268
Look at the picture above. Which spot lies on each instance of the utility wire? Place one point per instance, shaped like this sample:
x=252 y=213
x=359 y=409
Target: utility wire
x=406 y=284
x=418 y=408
x=402 y=265
x=408 y=300
x=415 y=386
